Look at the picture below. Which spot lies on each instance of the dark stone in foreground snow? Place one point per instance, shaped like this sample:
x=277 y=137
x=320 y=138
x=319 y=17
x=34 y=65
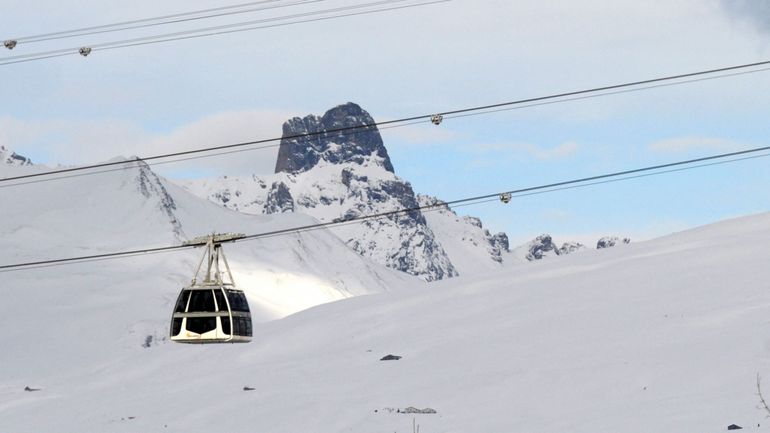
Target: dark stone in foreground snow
x=390 y=358
x=734 y=427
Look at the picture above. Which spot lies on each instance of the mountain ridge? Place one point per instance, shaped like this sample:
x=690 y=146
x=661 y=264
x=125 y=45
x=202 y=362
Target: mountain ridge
x=339 y=175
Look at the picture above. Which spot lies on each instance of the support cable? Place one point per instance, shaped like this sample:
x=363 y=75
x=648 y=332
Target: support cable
x=158 y=21
x=337 y=12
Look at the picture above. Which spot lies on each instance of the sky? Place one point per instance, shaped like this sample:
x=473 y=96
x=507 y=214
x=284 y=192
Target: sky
x=241 y=87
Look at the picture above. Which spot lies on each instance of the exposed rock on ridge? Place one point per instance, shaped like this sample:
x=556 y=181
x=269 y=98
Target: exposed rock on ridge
x=12 y=158
x=150 y=185
x=611 y=241
x=543 y=246
x=299 y=153
x=338 y=175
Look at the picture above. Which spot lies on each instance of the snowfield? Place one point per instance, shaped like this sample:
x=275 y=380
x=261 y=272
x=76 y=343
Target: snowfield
x=659 y=336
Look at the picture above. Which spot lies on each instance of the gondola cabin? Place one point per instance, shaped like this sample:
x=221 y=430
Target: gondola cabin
x=212 y=310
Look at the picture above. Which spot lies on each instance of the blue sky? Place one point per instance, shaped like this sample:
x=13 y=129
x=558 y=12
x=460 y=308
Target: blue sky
x=181 y=95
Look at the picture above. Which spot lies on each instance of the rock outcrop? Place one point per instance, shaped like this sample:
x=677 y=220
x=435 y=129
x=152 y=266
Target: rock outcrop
x=345 y=133
x=10 y=157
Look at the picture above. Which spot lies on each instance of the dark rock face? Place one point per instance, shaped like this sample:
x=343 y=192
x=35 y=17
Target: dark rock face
x=364 y=184
x=300 y=154
x=279 y=199
x=544 y=245
x=413 y=248
x=571 y=247
x=540 y=246
x=500 y=241
x=611 y=241
x=337 y=175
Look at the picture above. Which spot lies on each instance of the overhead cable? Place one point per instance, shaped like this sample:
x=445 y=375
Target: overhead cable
x=159 y=21
x=169 y=161
x=484 y=109
x=222 y=29
x=485 y=198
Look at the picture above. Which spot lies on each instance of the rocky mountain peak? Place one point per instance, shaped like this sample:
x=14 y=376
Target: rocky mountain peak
x=299 y=153
x=7 y=156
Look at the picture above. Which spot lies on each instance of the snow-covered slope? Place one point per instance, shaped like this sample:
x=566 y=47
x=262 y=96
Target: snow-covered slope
x=659 y=336
x=134 y=208
x=472 y=248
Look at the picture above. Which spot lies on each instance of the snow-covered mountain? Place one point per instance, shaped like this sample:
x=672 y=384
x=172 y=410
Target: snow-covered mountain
x=339 y=175
x=473 y=248
x=665 y=335
x=135 y=208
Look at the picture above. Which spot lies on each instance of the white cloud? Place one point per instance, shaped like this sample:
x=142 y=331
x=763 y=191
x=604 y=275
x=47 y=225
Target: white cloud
x=63 y=141
x=689 y=144
x=755 y=12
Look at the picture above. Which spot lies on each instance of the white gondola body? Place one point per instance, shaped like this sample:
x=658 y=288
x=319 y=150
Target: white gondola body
x=214 y=310
x=211 y=314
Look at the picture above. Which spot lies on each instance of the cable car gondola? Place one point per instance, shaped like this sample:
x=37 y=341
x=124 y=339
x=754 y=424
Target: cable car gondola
x=212 y=310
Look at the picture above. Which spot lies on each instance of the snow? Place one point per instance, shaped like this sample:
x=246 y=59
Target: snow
x=467 y=244
x=665 y=335
x=323 y=193
x=132 y=208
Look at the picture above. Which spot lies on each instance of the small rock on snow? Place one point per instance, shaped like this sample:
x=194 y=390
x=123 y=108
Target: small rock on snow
x=390 y=358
